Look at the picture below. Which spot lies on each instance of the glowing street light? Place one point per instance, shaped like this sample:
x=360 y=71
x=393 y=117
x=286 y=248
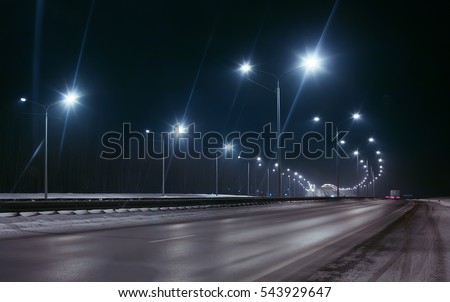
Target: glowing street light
x=180 y=129
x=311 y=63
x=245 y=68
x=356 y=116
x=69 y=99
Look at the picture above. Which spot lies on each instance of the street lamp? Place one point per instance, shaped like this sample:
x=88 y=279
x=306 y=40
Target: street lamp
x=355 y=116
x=227 y=147
x=309 y=63
x=248 y=176
x=295 y=183
x=356 y=153
x=163 y=173
x=268 y=175
x=69 y=99
x=372 y=140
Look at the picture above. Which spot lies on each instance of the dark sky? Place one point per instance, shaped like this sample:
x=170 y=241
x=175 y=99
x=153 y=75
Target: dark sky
x=156 y=63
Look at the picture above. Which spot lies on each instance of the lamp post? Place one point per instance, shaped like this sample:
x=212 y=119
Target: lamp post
x=356 y=153
x=248 y=176
x=309 y=63
x=372 y=172
x=295 y=183
x=217 y=176
x=226 y=147
x=69 y=99
x=339 y=142
x=178 y=129
x=260 y=164
x=289 y=179
x=163 y=174
x=355 y=116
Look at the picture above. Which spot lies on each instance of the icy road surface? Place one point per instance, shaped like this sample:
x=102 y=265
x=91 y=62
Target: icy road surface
x=346 y=240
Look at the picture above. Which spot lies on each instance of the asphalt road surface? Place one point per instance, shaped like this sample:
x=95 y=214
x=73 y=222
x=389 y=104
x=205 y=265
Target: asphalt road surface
x=275 y=243
x=413 y=248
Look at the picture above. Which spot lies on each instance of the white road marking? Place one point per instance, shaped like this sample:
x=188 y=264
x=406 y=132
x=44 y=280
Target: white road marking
x=282 y=220
x=173 y=238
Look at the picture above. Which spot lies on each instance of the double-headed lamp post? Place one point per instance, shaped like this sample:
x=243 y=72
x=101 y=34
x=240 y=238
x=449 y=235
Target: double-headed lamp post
x=355 y=116
x=69 y=99
x=309 y=63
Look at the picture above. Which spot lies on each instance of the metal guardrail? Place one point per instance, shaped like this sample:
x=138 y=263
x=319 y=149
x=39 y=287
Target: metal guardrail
x=82 y=204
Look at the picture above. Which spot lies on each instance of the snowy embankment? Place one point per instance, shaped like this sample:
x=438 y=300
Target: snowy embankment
x=33 y=223
x=444 y=201
x=416 y=247
x=102 y=196
x=23 y=223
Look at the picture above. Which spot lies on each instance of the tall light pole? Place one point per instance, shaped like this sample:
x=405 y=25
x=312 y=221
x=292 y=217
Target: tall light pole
x=280 y=181
x=226 y=147
x=163 y=176
x=372 y=141
x=248 y=177
x=295 y=183
x=339 y=142
x=69 y=99
x=373 y=182
x=178 y=129
x=289 y=179
x=217 y=175
x=368 y=176
x=309 y=63
x=355 y=116
x=356 y=153
x=163 y=173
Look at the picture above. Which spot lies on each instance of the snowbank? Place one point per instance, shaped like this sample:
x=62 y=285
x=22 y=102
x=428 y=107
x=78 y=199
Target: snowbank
x=444 y=201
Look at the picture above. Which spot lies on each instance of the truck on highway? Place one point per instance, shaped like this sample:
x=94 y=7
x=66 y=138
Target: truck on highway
x=394 y=194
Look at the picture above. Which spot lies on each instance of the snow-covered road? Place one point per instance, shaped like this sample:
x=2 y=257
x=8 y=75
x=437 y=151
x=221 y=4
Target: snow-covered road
x=414 y=248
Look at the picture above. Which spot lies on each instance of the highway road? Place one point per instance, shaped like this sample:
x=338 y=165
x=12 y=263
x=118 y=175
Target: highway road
x=288 y=242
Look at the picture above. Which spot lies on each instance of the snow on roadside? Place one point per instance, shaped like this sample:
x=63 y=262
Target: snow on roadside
x=25 y=224
x=68 y=222
x=444 y=201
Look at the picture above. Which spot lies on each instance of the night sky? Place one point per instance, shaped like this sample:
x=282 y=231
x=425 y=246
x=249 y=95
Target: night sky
x=157 y=63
